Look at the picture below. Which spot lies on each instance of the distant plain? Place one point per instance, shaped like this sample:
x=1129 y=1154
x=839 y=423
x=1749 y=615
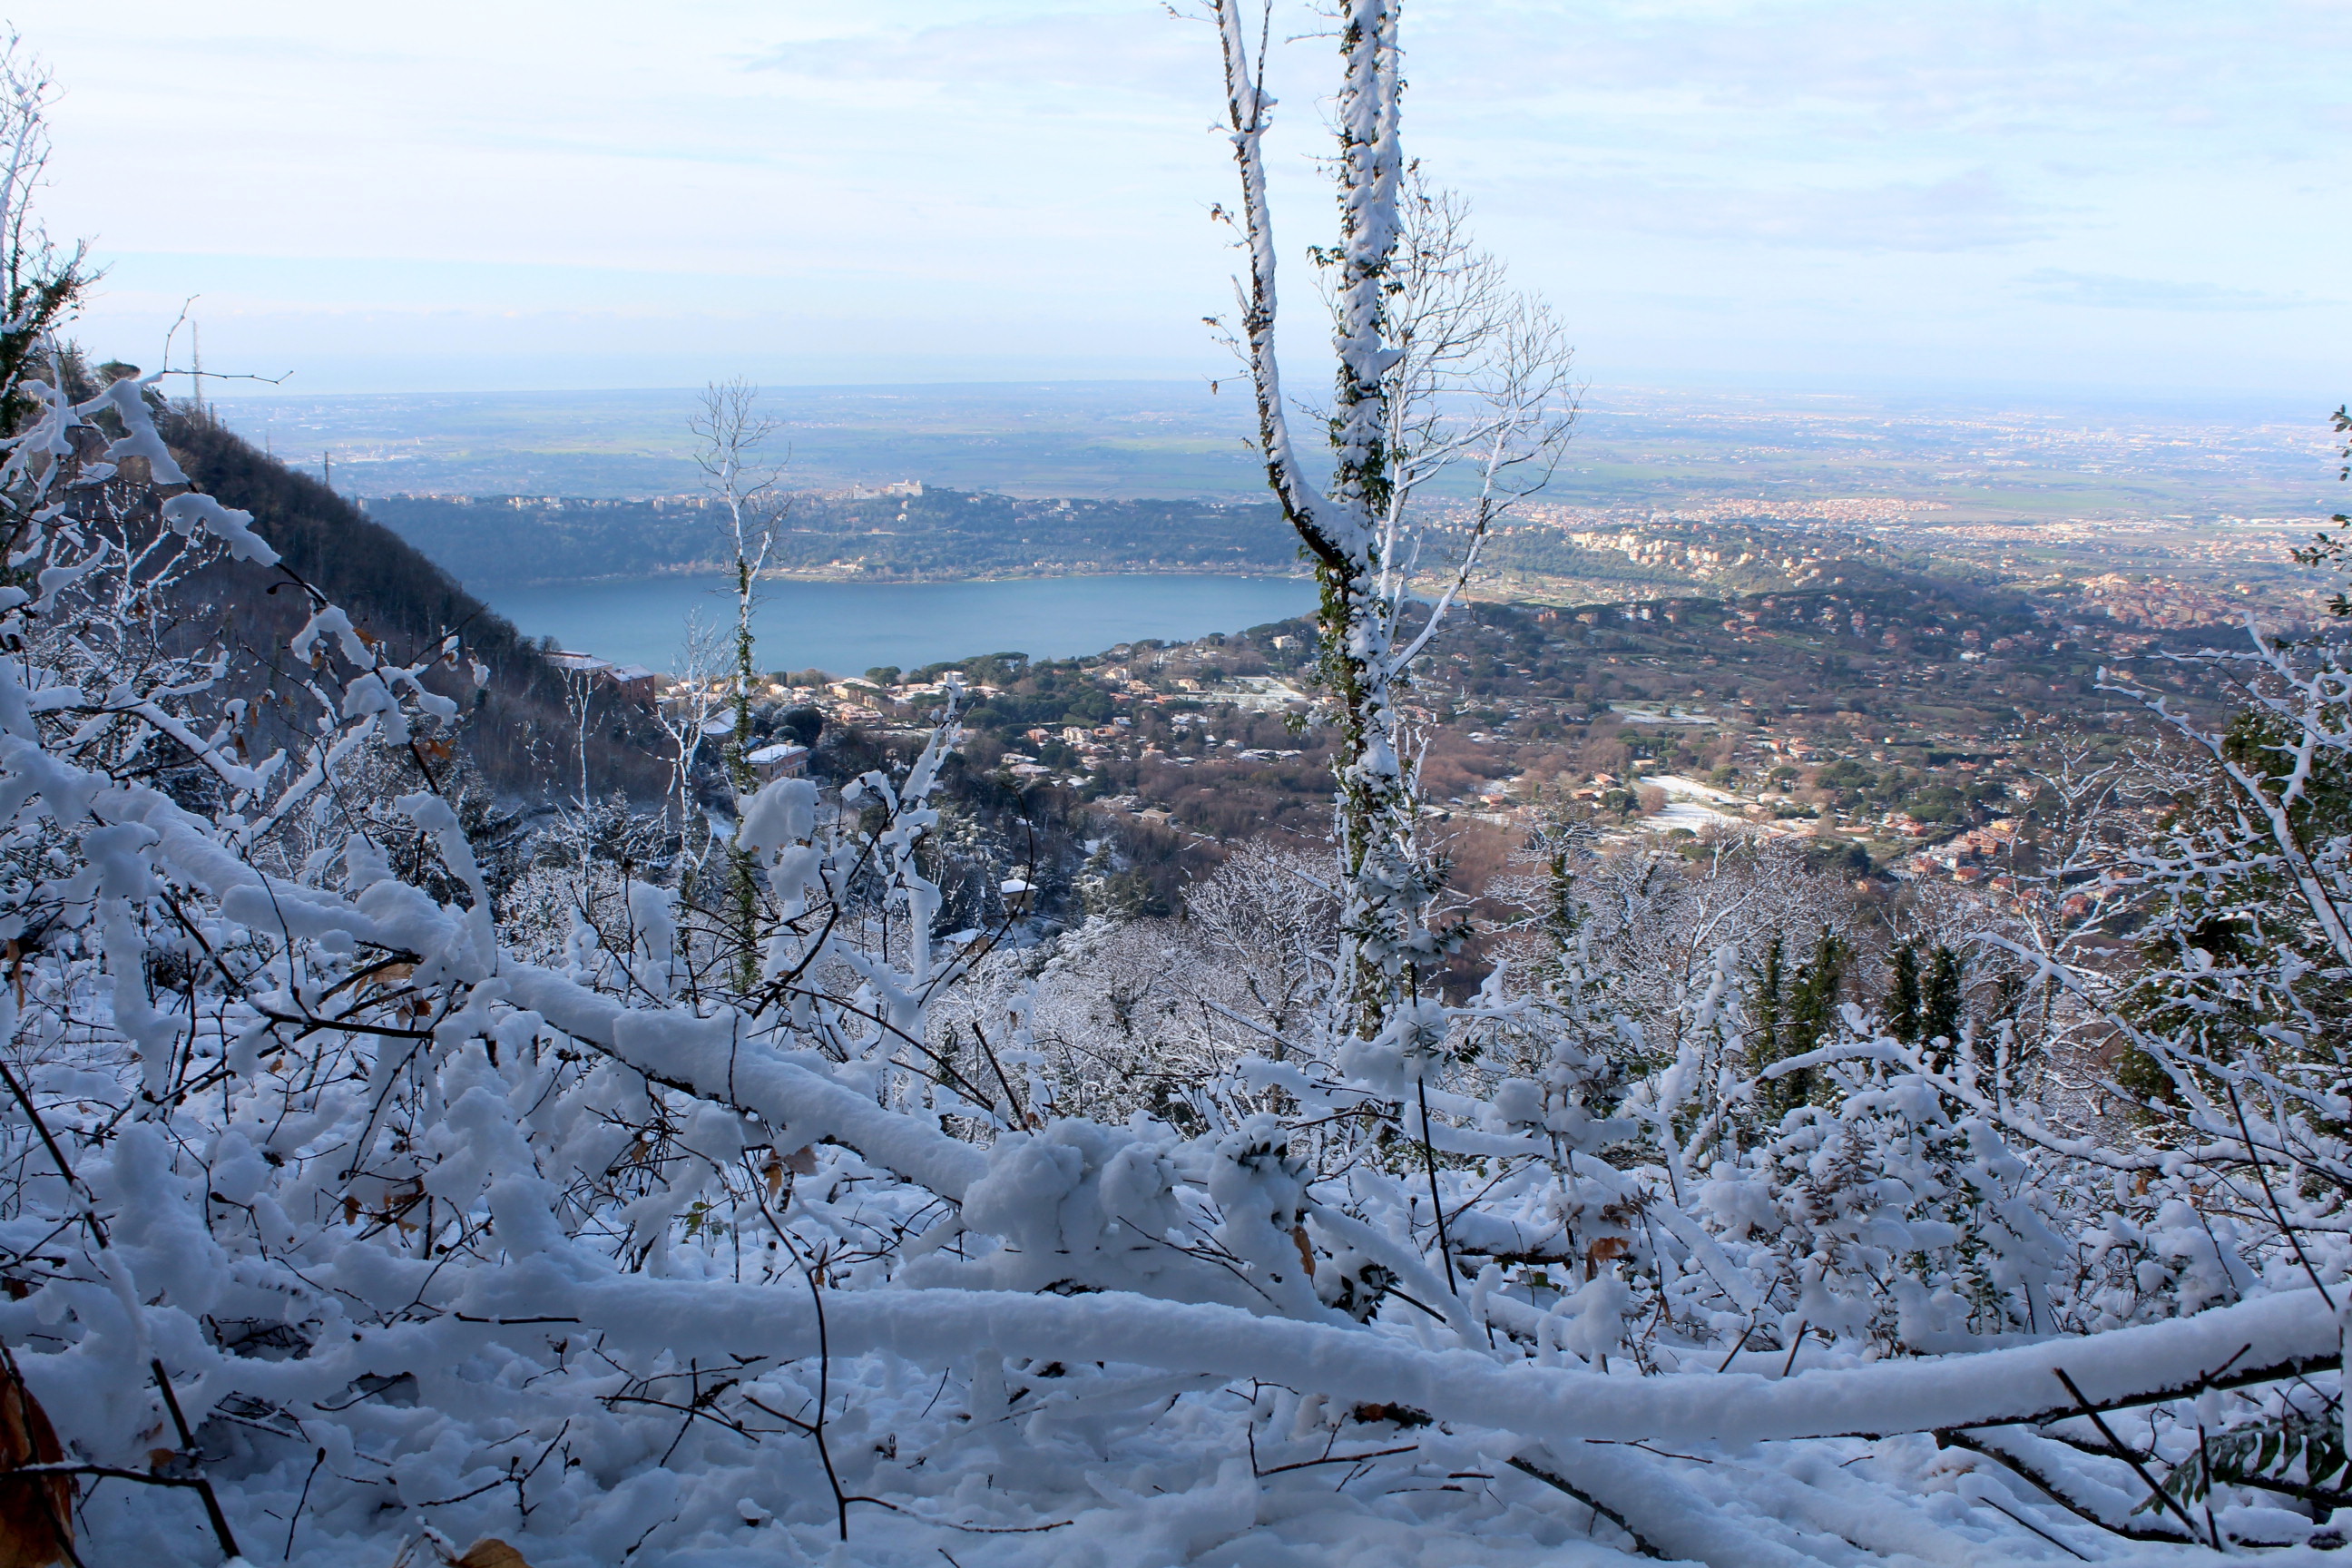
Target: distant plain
x=1982 y=457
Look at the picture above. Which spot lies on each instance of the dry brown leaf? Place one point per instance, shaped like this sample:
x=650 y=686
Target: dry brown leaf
x=1306 y=1251
x=1605 y=1248
x=36 y=1512
x=490 y=1552
x=389 y=975
x=1403 y=1414
x=801 y=1161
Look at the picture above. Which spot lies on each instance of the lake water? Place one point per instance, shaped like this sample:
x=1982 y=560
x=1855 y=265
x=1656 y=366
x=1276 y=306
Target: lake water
x=849 y=627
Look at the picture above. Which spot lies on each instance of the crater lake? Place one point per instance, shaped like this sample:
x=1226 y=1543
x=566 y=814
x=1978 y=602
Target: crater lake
x=849 y=627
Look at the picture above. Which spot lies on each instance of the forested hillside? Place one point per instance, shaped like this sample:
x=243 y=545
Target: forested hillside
x=520 y=732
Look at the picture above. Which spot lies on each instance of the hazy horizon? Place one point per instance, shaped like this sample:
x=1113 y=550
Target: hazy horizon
x=1983 y=392
x=2031 y=453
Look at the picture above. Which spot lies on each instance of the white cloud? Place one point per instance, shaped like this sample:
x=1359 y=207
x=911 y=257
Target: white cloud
x=1965 y=211
x=2107 y=292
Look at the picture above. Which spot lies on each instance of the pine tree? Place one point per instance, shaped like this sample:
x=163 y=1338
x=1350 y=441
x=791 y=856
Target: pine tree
x=1940 y=1016
x=1771 y=1000
x=1902 y=1002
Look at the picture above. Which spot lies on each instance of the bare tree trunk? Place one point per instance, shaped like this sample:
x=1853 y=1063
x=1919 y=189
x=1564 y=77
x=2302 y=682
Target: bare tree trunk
x=684 y=713
x=733 y=435
x=1424 y=327
x=1342 y=532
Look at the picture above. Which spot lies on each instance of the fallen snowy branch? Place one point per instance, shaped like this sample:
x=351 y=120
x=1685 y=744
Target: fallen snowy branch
x=2291 y=1333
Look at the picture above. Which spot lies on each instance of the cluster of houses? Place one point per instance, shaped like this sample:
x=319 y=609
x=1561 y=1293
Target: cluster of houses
x=1969 y=856
x=631 y=682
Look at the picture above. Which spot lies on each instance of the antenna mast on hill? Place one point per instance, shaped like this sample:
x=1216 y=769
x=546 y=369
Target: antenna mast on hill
x=327 y=462
x=196 y=376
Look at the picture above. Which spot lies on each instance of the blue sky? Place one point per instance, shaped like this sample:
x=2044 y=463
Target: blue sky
x=2083 y=197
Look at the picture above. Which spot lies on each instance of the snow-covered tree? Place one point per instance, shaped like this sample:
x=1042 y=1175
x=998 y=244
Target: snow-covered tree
x=1440 y=365
x=731 y=437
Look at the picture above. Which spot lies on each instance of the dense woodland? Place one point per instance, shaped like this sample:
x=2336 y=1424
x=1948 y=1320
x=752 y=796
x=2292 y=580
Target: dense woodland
x=524 y=733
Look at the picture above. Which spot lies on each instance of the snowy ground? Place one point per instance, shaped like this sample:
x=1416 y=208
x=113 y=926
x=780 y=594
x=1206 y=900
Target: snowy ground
x=1133 y=1470
x=1698 y=806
